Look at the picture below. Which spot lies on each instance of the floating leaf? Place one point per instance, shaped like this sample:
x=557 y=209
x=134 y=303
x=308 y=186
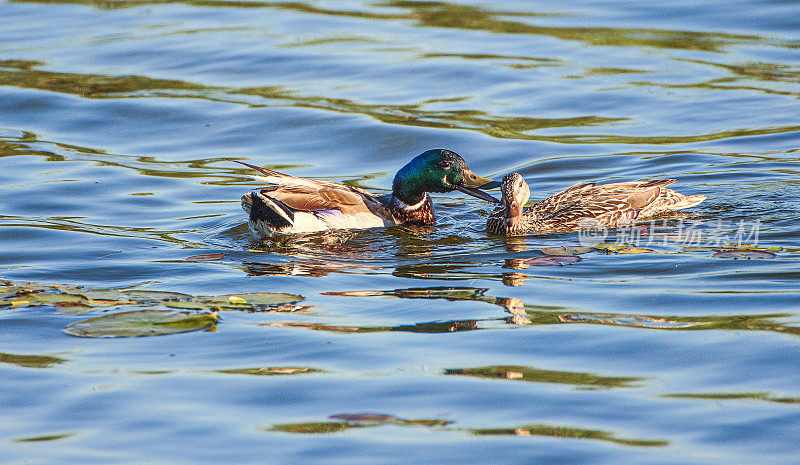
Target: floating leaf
x=141 y=323
x=56 y=299
x=193 y=305
x=743 y=254
x=634 y=250
x=206 y=256
x=565 y=250
x=609 y=246
x=693 y=248
x=259 y=298
x=155 y=296
x=553 y=260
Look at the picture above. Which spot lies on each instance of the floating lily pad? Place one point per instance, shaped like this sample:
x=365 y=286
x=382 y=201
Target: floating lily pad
x=56 y=299
x=155 y=296
x=104 y=295
x=634 y=250
x=553 y=260
x=565 y=250
x=142 y=323
x=743 y=254
x=621 y=248
x=248 y=302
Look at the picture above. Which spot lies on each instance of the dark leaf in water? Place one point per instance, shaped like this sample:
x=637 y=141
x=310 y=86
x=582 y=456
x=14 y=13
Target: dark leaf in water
x=141 y=323
x=206 y=256
x=743 y=254
x=553 y=260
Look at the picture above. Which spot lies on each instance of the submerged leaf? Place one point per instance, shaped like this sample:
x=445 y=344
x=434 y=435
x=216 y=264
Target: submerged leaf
x=141 y=323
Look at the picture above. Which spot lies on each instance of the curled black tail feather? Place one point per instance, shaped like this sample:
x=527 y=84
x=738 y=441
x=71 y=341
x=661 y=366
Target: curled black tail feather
x=261 y=211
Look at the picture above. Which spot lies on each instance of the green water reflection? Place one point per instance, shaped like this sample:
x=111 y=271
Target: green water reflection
x=23 y=74
x=472 y=17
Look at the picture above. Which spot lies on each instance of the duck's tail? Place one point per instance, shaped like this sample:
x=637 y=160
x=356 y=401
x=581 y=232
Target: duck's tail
x=267 y=215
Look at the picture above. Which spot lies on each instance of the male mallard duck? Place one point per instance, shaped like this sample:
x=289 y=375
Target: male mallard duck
x=295 y=205
x=582 y=206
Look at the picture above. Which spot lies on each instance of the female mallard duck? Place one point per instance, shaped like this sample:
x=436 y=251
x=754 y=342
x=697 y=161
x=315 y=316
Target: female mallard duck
x=583 y=206
x=295 y=205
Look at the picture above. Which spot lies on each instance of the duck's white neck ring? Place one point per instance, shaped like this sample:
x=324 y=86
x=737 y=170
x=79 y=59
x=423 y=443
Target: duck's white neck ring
x=403 y=206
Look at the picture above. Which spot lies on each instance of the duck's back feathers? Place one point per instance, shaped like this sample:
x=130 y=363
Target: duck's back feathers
x=288 y=204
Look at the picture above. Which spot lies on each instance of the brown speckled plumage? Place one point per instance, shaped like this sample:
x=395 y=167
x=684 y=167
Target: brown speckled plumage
x=583 y=206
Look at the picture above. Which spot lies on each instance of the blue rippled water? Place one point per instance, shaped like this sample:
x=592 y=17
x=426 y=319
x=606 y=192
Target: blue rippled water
x=118 y=121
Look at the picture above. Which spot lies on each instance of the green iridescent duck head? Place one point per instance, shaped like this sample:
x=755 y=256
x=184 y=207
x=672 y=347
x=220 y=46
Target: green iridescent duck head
x=439 y=170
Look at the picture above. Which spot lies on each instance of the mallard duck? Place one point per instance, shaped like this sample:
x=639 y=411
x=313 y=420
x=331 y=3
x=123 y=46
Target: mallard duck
x=289 y=204
x=583 y=206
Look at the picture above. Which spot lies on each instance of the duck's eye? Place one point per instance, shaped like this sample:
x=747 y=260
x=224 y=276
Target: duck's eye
x=445 y=165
